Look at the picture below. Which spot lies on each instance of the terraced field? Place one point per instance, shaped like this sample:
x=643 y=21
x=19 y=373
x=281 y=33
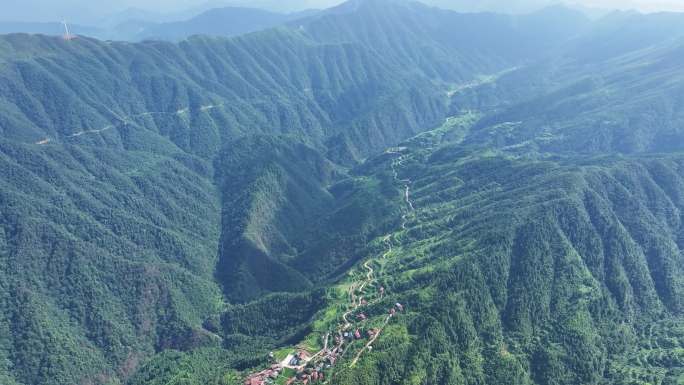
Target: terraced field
x=658 y=357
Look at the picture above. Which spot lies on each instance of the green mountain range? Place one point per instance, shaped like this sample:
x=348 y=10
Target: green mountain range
x=512 y=187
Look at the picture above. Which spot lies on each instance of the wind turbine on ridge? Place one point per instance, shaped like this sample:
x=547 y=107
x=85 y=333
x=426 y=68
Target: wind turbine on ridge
x=67 y=35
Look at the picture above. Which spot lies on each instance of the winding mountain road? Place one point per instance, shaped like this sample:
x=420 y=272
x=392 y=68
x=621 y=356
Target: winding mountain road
x=359 y=286
x=125 y=120
x=388 y=241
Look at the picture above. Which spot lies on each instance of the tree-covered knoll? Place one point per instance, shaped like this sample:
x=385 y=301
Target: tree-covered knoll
x=288 y=223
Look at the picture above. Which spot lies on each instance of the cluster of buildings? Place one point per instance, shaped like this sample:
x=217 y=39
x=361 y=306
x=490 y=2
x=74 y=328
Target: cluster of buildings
x=310 y=370
x=265 y=376
x=300 y=358
x=308 y=376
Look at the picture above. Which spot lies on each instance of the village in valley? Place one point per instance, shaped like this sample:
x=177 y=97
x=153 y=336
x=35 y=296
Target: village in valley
x=300 y=366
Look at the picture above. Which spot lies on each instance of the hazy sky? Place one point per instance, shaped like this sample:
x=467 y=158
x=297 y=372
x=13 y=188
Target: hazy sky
x=89 y=10
x=644 y=5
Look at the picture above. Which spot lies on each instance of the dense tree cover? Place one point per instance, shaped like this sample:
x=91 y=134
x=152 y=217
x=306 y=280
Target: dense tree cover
x=277 y=316
x=111 y=219
x=202 y=366
x=624 y=98
x=203 y=91
x=535 y=271
x=444 y=44
x=289 y=226
x=326 y=80
x=98 y=268
x=170 y=213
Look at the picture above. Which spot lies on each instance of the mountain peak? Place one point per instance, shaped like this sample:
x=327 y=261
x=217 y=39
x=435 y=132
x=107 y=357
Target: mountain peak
x=355 y=5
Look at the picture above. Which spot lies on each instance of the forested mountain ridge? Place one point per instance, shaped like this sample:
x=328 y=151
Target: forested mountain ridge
x=290 y=224
x=84 y=228
x=604 y=94
x=192 y=206
x=444 y=44
x=224 y=21
x=278 y=89
x=312 y=82
x=135 y=25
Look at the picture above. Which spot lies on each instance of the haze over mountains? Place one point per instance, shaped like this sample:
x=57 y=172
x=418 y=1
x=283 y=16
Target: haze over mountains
x=85 y=12
x=136 y=25
x=176 y=21
x=171 y=212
